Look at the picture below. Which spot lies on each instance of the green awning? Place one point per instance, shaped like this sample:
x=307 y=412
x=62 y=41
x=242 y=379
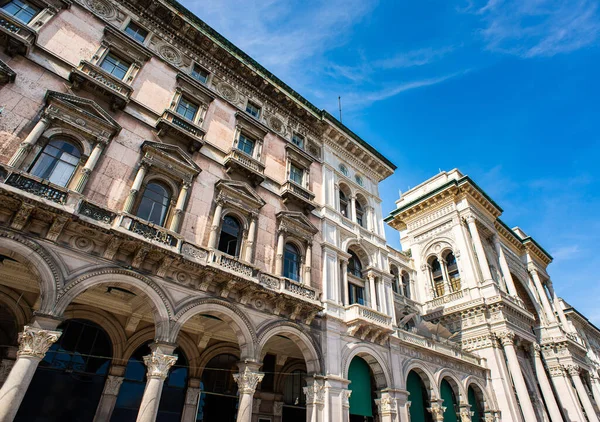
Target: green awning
x=359 y=375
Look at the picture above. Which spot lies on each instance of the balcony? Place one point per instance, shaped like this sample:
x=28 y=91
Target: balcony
x=444 y=347
x=171 y=124
x=37 y=187
x=367 y=323
x=293 y=192
x=443 y=300
x=7 y=75
x=149 y=231
x=238 y=161
x=19 y=37
x=88 y=75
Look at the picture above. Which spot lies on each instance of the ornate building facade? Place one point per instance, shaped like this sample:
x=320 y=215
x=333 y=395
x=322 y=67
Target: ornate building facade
x=183 y=237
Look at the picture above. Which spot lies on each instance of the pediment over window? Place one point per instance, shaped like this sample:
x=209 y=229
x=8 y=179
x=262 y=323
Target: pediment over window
x=170 y=159
x=125 y=45
x=251 y=125
x=240 y=195
x=297 y=224
x=82 y=114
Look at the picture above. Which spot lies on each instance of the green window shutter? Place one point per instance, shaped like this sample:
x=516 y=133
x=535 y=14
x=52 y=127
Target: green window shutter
x=449 y=402
x=359 y=375
x=475 y=408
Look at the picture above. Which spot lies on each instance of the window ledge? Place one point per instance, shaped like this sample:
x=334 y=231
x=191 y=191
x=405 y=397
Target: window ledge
x=171 y=124
x=239 y=161
x=293 y=192
x=19 y=36
x=97 y=79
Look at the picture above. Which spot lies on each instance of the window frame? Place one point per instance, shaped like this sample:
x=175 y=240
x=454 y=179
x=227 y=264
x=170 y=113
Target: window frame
x=299 y=263
x=105 y=56
x=26 y=3
x=139 y=27
x=240 y=237
x=197 y=66
x=250 y=104
x=300 y=170
x=190 y=102
x=38 y=155
x=248 y=138
x=302 y=138
x=169 y=206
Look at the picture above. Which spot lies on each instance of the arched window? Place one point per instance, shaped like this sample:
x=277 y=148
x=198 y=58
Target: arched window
x=394 y=272
x=360 y=215
x=354 y=265
x=405 y=281
x=57 y=162
x=356 y=292
x=154 y=204
x=453 y=272
x=231 y=235
x=291 y=262
x=343 y=203
x=437 y=277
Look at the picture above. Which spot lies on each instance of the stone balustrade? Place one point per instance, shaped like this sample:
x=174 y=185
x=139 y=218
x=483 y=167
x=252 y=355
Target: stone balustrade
x=441 y=346
x=357 y=312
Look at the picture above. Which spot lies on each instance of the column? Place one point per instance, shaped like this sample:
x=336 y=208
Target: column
x=392 y=313
x=345 y=396
x=251 y=241
x=540 y=372
x=192 y=396
x=212 y=239
x=179 y=206
x=352 y=208
x=483 y=263
x=595 y=387
x=507 y=340
x=247 y=380
x=29 y=141
x=279 y=255
x=137 y=184
x=566 y=394
x=34 y=342
x=543 y=296
x=109 y=395
x=308 y=265
x=464 y=413
x=558 y=307
x=510 y=284
x=315 y=399
x=573 y=371
x=386 y=405
x=89 y=166
x=345 y=282
x=447 y=287
x=403 y=406
x=437 y=411
x=372 y=292
x=158 y=363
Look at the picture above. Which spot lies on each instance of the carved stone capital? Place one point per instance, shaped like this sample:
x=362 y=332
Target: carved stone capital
x=346 y=398
x=315 y=392
x=247 y=380
x=536 y=349
x=158 y=364
x=507 y=338
x=556 y=371
x=386 y=404
x=35 y=342
x=112 y=385
x=278 y=408
x=465 y=414
x=573 y=370
x=437 y=411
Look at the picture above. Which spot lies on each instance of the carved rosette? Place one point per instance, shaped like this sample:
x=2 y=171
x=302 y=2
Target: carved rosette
x=112 y=385
x=35 y=342
x=507 y=338
x=248 y=380
x=437 y=411
x=158 y=364
x=315 y=393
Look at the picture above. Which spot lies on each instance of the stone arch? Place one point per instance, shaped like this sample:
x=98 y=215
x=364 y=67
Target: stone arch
x=361 y=251
x=230 y=211
x=426 y=376
x=481 y=393
x=431 y=249
x=71 y=135
x=310 y=350
x=135 y=341
x=161 y=305
x=10 y=299
x=109 y=324
x=373 y=358
x=236 y=319
x=213 y=351
x=162 y=179
x=40 y=262
x=454 y=382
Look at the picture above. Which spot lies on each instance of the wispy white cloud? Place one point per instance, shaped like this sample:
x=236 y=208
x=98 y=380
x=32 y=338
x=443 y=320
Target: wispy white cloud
x=566 y=252
x=537 y=28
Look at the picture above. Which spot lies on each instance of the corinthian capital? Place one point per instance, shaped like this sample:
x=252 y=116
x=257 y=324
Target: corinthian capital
x=573 y=370
x=158 y=364
x=506 y=337
x=465 y=414
x=35 y=342
x=437 y=411
x=315 y=392
x=536 y=349
x=247 y=380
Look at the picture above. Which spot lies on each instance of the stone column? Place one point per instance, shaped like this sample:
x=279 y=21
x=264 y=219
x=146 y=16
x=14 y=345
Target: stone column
x=573 y=371
x=158 y=363
x=403 y=406
x=279 y=255
x=595 y=388
x=29 y=141
x=566 y=394
x=89 y=166
x=179 y=206
x=352 y=208
x=510 y=283
x=109 y=395
x=437 y=411
x=507 y=340
x=445 y=274
x=345 y=286
x=540 y=371
x=372 y=292
x=464 y=413
x=247 y=380
x=214 y=228
x=483 y=262
x=345 y=396
x=543 y=296
x=386 y=405
x=34 y=342
x=192 y=396
x=559 y=310
x=137 y=184
x=315 y=399
x=251 y=241
x=308 y=265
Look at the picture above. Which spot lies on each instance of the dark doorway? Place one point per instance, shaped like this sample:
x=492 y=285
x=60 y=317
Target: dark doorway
x=218 y=400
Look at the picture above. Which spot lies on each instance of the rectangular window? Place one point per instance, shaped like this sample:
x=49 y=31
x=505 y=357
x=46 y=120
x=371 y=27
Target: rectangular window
x=21 y=10
x=298 y=140
x=186 y=109
x=357 y=294
x=199 y=74
x=136 y=32
x=296 y=174
x=246 y=144
x=252 y=109
x=115 y=66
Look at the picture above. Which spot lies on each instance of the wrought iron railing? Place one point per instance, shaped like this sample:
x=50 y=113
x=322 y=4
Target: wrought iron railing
x=37 y=188
x=151 y=232
x=96 y=213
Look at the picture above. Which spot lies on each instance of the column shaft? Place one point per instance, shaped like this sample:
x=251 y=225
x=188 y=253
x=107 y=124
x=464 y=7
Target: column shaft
x=190 y=408
x=596 y=390
x=559 y=310
x=108 y=399
x=483 y=262
x=345 y=282
x=212 y=239
x=308 y=265
x=137 y=184
x=279 y=256
x=251 y=242
x=89 y=166
x=372 y=291
x=540 y=371
x=543 y=296
x=158 y=365
x=583 y=395
x=352 y=209
x=510 y=284
x=179 y=206
x=29 y=141
x=247 y=380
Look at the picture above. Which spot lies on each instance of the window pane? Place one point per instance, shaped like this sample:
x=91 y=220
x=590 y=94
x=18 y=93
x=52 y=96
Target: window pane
x=187 y=109
x=291 y=262
x=296 y=174
x=154 y=204
x=230 y=236
x=136 y=32
x=115 y=66
x=253 y=109
x=246 y=145
x=21 y=10
x=199 y=74
x=57 y=162
x=298 y=140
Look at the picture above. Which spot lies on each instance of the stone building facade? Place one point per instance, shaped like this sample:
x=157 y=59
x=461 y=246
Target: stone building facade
x=183 y=237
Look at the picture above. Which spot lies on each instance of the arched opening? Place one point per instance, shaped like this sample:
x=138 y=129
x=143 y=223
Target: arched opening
x=363 y=387
x=450 y=402
x=437 y=276
x=68 y=383
x=395 y=279
x=218 y=397
x=344 y=201
x=57 y=162
x=291 y=262
x=356 y=284
x=132 y=389
x=360 y=213
x=419 y=398
x=231 y=236
x=405 y=284
x=453 y=273
x=154 y=204
x=476 y=400
x=523 y=294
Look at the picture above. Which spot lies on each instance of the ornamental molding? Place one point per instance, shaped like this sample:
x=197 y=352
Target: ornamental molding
x=239 y=194
x=386 y=404
x=158 y=364
x=35 y=342
x=506 y=338
x=112 y=385
x=315 y=392
x=297 y=224
x=171 y=159
x=346 y=397
x=437 y=411
x=247 y=380
x=465 y=414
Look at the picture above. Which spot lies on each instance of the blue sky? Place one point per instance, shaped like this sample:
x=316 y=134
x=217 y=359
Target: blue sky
x=507 y=91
